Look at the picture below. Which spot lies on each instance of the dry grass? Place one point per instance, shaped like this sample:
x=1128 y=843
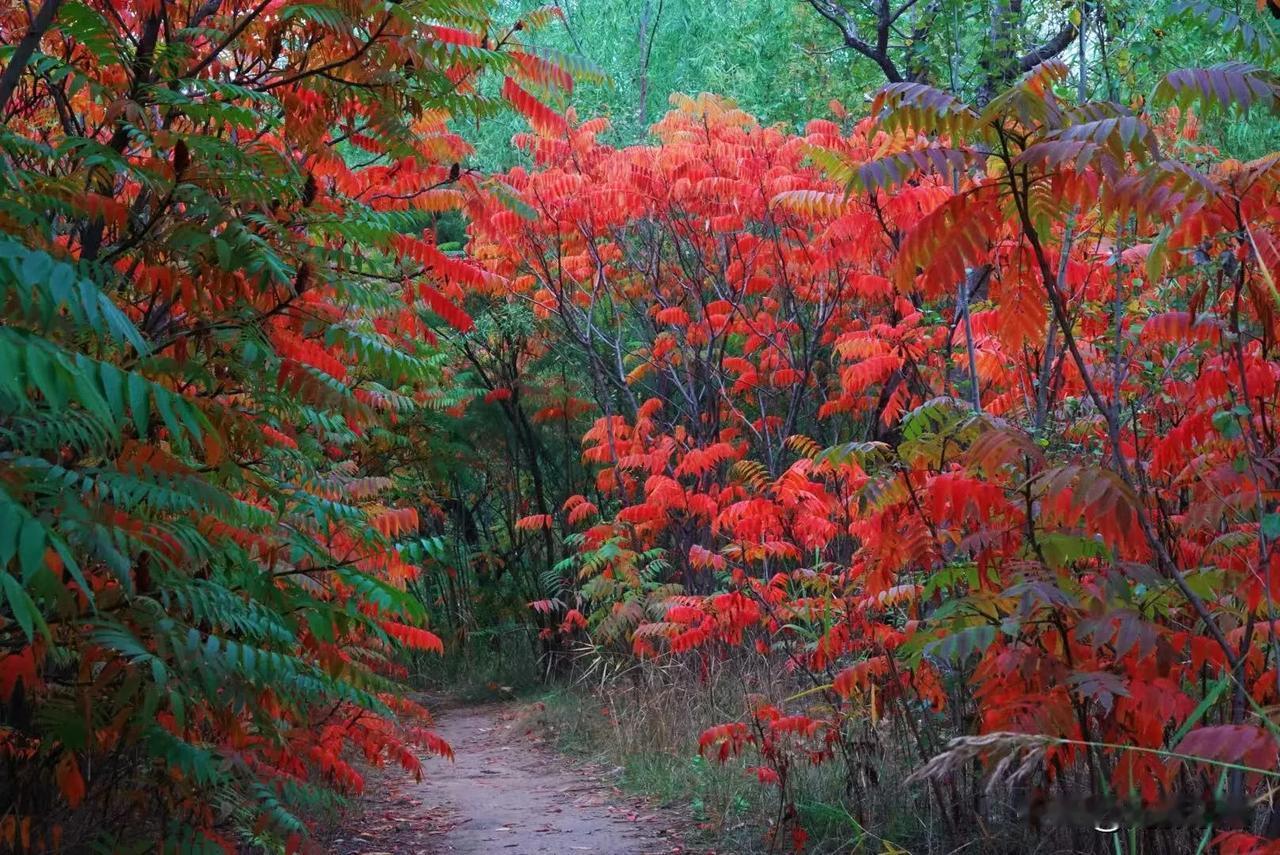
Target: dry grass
x=645 y=718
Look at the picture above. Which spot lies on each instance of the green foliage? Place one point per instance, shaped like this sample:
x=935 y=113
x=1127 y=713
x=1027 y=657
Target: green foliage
x=213 y=317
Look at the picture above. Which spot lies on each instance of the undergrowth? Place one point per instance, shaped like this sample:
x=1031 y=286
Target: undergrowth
x=485 y=664
x=644 y=722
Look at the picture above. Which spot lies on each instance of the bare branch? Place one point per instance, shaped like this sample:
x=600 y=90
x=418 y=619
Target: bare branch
x=902 y=10
x=1049 y=49
x=848 y=27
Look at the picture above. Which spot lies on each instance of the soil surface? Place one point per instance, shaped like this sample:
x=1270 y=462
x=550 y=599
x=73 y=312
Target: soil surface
x=505 y=792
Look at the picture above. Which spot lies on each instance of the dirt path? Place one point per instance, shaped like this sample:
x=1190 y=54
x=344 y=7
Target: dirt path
x=504 y=793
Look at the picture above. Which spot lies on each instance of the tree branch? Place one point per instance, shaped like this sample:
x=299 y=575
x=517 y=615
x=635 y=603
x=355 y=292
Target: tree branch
x=337 y=63
x=235 y=32
x=848 y=27
x=22 y=53
x=1049 y=49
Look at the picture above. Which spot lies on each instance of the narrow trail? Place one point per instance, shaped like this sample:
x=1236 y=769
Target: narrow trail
x=504 y=793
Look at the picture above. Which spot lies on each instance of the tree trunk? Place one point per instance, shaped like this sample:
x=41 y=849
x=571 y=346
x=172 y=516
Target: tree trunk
x=22 y=53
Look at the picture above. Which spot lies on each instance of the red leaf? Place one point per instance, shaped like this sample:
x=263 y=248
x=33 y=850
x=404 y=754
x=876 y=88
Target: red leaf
x=70 y=782
x=540 y=116
x=1231 y=743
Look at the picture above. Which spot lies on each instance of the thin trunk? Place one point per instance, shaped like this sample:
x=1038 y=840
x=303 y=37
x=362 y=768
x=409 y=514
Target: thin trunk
x=91 y=243
x=969 y=285
x=642 y=33
x=645 y=34
x=1045 y=379
x=22 y=53
x=1082 y=74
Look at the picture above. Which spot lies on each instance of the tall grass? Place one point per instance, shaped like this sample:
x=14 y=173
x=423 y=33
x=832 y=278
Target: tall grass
x=644 y=720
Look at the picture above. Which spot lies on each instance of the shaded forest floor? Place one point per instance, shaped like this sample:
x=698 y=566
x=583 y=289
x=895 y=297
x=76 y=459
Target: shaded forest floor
x=506 y=791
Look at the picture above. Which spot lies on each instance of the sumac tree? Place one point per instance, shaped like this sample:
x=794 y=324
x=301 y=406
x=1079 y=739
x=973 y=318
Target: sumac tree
x=219 y=281
x=964 y=414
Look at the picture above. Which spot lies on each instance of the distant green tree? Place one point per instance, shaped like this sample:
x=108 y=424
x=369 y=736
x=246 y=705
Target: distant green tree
x=785 y=61
x=1118 y=50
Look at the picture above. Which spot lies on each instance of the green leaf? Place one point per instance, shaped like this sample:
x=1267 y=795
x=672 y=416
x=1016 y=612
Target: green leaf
x=112 y=380
x=50 y=291
x=1206 y=703
x=35 y=267
x=1225 y=423
x=139 y=403
x=43 y=376
x=23 y=607
x=31 y=543
x=959 y=645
